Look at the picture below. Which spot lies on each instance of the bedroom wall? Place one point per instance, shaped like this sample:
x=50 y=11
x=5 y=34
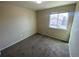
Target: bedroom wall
x=74 y=35
x=43 y=22
x=16 y=24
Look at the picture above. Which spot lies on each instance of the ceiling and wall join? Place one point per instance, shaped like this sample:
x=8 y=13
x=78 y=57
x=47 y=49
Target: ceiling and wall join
x=34 y=6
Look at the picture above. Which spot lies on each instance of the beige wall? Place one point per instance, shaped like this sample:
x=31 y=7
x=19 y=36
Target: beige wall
x=16 y=24
x=74 y=37
x=43 y=22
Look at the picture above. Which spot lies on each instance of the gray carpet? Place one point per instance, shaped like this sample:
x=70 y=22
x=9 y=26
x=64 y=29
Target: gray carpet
x=37 y=46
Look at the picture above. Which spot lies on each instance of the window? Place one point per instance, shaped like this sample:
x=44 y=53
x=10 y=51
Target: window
x=58 y=20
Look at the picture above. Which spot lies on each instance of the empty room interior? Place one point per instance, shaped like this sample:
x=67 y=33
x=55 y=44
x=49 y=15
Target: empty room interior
x=39 y=28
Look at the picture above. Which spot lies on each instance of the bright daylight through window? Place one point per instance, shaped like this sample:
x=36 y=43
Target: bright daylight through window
x=58 y=21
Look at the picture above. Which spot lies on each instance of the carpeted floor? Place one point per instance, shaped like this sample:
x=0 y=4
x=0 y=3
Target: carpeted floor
x=38 y=46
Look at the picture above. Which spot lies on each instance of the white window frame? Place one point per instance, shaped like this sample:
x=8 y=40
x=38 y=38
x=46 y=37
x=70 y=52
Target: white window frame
x=59 y=27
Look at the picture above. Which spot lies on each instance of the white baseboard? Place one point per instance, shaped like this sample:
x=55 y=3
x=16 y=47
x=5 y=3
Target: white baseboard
x=14 y=42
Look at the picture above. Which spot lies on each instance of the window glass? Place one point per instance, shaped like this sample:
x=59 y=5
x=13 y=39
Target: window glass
x=58 y=20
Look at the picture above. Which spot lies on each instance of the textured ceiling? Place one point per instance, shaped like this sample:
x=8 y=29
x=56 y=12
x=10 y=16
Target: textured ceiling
x=34 y=6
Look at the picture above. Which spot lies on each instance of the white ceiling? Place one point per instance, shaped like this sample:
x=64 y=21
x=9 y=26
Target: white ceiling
x=34 y=6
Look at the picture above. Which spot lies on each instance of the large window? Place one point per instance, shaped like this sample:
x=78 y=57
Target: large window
x=58 y=21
